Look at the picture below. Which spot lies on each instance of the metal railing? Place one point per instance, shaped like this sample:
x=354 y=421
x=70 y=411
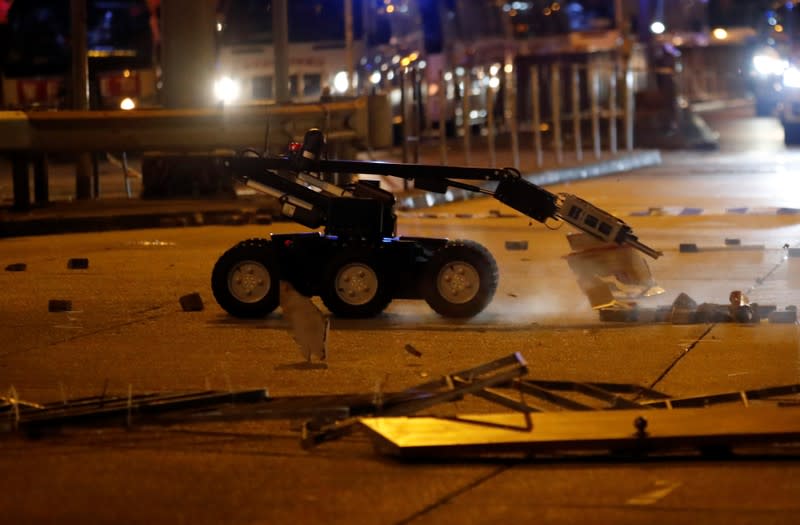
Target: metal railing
x=561 y=105
x=29 y=137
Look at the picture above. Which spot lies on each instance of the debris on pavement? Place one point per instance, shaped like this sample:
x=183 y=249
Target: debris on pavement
x=59 y=305
x=412 y=350
x=16 y=267
x=685 y=310
x=609 y=274
x=541 y=416
x=78 y=263
x=191 y=302
x=309 y=326
x=730 y=245
x=577 y=434
x=517 y=245
x=552 y=417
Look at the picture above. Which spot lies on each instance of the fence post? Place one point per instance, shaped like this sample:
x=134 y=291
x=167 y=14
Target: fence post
x=416 y=99
x=465 y=124
x=612 y=108
x=576 y=111
x=510 y=113
x=593 y=94
x=490 y=94
x=629 y=108
x=537 y=115
x=555 y=97
x=442 y=118
x=21 y=180
x=404 y=114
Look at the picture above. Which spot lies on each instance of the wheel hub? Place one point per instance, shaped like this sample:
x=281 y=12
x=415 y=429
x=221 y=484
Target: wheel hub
x=356 y=284
x=458 y=282
x=249 y=281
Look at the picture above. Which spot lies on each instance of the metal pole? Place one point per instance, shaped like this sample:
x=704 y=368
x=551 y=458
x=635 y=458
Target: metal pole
x=442 y=98
x=612 y=109
x=555 y=98
x=80 y=92
x=280 y=33
x=403 y=113
x=465 y=118
x=619 y=17
x=416 y=91
x=348 y=44
x=593 y=94
x=510 y=113
x=41 y=190
x=80 y=61
x=490 y=94
x=576 y=111
x=629 y=109
x=537 y=116
x=22 y=181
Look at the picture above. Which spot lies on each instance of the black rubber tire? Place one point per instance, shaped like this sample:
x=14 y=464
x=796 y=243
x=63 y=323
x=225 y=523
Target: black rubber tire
x=255 y=257
x=368 y=294
x=466 y=263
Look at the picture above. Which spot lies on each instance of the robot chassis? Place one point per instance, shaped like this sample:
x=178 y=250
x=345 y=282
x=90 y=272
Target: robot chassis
x=357 y=264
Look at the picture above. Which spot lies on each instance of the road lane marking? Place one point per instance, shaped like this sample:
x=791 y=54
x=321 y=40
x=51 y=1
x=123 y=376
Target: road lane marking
x=656 y=495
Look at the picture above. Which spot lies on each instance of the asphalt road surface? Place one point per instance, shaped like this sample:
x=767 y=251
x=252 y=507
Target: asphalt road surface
x=126 y=332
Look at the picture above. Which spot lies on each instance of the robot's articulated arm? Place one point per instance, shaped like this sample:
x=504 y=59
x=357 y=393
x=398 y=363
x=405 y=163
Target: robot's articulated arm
x=304 y=164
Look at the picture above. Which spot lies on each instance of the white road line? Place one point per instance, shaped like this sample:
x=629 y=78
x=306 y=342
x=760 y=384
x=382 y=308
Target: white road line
x=656 y=495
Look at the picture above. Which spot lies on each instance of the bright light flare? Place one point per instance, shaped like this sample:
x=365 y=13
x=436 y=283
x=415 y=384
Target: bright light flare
x=341 y=82
x=127 y=104
x=720 y=33
x=791 y=78
x=227 y=90
x=657 y=27
x=769 y=63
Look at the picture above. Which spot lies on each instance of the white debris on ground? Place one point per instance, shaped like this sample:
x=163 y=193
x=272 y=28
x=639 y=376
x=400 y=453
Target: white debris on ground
x=308 y=325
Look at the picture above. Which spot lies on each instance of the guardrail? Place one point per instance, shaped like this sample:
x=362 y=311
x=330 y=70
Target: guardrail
x=28 y=137
x=565 y=103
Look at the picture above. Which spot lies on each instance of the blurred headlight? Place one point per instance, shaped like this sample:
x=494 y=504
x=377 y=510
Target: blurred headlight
x=791 y=78
x=341 y=81
x=226 y=90
x=127 y=104
x=768 y=63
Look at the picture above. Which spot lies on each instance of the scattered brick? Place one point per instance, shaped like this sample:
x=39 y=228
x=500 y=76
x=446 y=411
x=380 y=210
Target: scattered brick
x=78 y=263
x=59 y=305
x=516 y=245
x=192 y=302
x=413 y=351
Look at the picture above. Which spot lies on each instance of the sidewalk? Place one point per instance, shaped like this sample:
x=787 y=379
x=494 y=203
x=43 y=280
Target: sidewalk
x=114 y=210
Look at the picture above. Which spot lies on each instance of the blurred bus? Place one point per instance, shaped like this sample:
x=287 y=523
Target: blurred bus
x=36 y=58
x=317 y=49
x=442 y=53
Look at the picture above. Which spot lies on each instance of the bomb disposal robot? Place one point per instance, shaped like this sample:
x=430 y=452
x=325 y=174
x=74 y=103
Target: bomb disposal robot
x=357 y=264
